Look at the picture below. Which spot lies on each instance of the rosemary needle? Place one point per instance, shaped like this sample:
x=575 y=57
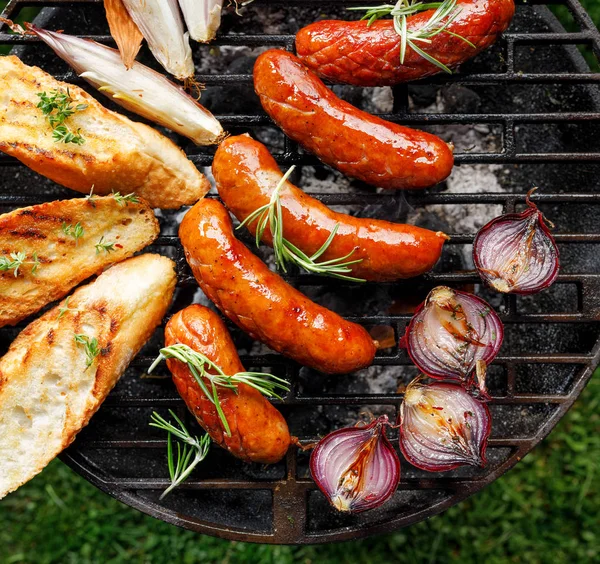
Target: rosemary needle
x=286 y=252
x=199 y=364
x=181 y=468
x=445 y=13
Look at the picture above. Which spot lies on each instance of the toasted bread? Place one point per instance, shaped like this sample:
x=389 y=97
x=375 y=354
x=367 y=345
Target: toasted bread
x=65 y=261
x=49 y=387
x=118 y=154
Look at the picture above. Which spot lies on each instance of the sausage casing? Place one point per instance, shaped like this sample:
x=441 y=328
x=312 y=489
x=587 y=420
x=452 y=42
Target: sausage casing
x=246 y=175
x=259 y=432
x=358 y=144
x=354 y=52
x=262 y=303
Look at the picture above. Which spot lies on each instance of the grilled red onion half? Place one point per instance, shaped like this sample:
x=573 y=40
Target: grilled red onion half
x=454 y=335
x=356 y=467
x=516 y=253
x=442 y=426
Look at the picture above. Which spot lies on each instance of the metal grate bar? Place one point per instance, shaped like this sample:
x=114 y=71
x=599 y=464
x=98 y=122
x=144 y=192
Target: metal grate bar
x=290 y=494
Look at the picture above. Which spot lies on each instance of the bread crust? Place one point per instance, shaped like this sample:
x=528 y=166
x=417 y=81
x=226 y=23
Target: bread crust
x=64 y=260
x=48 y=393
x=118 y=154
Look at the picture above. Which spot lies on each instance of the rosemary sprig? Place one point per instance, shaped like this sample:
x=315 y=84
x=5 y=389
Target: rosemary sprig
x=286 y=252
x=16 y=260
x=445 y=13
x=199 y=365
x=76 y=231
x=182 y=467
x=57 y=106
x=124 y=200
x=92 y=348
x=106 y=247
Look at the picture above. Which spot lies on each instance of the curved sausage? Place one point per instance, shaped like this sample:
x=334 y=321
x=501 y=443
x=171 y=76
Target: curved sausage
x=246 y=175
x=259 y=432
x=262 y=303
x=353 y=52
x=358 y=144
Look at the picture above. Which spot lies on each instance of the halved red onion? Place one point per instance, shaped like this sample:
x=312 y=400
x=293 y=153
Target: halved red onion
x=454 y=335
x=516 y=253
x=356 y=467
x=442 y=426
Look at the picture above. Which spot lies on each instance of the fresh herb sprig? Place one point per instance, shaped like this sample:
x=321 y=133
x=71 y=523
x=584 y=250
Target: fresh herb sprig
x=286 y=252
x=57 y=106
x=199 y=365
x=16 y=260
x=62 y=134
x=76 y=231
x=91 y=346
x=127 y=199
x=102 y=246
x=193 y=451
x=445 y=13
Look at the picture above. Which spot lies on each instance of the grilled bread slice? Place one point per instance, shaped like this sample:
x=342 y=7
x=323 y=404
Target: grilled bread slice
x=51 y=385
x=113 y=230
x=118 y=154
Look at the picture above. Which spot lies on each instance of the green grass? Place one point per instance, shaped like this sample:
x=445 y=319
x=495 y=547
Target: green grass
x=593 y=9
x=544 y=510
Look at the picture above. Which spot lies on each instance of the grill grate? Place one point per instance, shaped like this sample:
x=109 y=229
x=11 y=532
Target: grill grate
x=552 y=343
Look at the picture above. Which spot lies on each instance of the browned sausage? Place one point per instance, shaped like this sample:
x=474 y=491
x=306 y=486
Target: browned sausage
x=259 y=432
x=246 y=175
x=356 y=143
x=369 y=55
x=262 y=303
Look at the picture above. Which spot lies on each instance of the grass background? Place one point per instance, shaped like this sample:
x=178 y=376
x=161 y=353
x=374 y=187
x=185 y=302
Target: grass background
x=547 y=509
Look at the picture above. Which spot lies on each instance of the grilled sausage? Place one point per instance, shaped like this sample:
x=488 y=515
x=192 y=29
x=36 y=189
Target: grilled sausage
x=358 y=144
x=262 y=303
x=246 y=175
x=354 y=52
x=259 y=432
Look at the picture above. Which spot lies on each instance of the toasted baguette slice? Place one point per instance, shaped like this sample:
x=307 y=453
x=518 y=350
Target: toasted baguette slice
x=48 y=393
x=118 y=154
x=65 y=261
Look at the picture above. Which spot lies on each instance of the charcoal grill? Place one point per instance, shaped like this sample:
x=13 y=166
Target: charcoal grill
x=533 y=106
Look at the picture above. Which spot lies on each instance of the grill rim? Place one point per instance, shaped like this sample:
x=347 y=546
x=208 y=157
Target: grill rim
x=239 y=534
x=71 y=456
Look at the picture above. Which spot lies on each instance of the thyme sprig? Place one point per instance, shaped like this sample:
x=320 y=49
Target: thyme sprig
x=445 y=13
x=193 y=451
x=199 y=365
x=57 y=106
x=15 y=261
x=102 y=246
x=286 y=252
x=127 y=199
x=76 y=231
x=91 y=346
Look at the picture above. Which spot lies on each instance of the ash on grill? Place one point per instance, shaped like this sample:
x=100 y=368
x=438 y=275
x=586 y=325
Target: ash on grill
x=551 y=342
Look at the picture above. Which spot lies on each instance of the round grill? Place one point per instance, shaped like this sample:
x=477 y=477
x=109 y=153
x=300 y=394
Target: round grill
x=524 y=113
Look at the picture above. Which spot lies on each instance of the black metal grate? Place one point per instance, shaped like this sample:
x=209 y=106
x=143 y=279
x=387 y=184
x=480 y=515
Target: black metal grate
x=538 y=106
